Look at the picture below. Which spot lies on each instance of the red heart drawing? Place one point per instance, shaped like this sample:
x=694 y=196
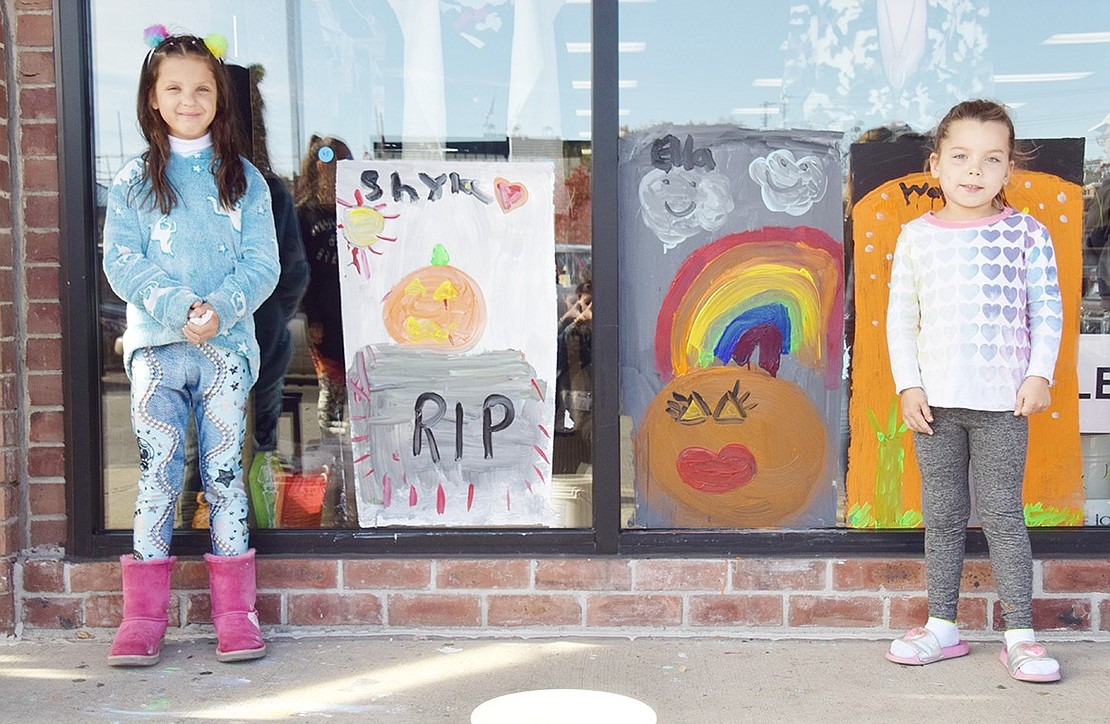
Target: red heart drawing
x=716 y=472
x=510 y=194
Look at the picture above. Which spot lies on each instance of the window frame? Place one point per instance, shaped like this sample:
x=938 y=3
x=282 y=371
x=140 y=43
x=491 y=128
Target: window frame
x=88 y=538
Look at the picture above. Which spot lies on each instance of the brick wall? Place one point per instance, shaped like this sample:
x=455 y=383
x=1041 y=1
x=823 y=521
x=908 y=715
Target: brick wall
x=575 y=596
x=46 y=594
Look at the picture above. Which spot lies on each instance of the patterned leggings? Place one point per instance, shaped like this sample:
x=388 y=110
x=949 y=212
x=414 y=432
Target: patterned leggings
x=994 y=444
x=167 y=384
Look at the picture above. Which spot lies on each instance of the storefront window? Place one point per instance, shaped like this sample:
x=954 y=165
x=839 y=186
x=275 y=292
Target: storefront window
x=441 y=87
x=741 y=123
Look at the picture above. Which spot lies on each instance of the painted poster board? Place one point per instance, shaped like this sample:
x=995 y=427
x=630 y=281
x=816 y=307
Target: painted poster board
x=449 y=321
x=732 y=325
x=890 y=189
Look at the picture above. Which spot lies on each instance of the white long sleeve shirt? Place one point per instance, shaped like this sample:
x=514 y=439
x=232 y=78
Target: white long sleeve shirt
x=974 y=309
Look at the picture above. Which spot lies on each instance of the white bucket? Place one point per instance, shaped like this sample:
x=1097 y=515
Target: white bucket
x=1096 y=466
x=572 y=499
x=560 y=706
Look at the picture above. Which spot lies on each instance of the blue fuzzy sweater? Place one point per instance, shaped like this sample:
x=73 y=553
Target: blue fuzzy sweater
x=161 y=264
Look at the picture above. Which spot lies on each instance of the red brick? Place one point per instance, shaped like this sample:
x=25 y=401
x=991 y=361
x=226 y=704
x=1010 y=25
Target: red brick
x=977 y=577
x=41 y=210
x=431 y=609
x=1104 y=615
x=39 y=139
x=482 y=574
x=198 y=608
x=47 y=498
x=64 y=613
x=878 y=575
x=40 y=174
x=7 y=613
x=268 y=606
x=533 y=610
x=736 y=610
x=9 y=501
x=7 y=575
x=44 y=576
x=588 y=574
x=41 y=247
x=778 y=575
x=45 y=389
x=851 y=612
x=104 y=610
x=44 y=353
x=333 y=609
x=664 y=575
x=48 y=533
x=46 y=462
x=35 y=67
x=387 y=574
x=1053 y=614
x=633 y=610
x=47 y=426
x=33 y=5
x=189 y=575
x=36 y=30
x=282 y=573
x=43 y=282
x=908 y=612
x=1081 y=576
x=9 y=539
x=103 y=576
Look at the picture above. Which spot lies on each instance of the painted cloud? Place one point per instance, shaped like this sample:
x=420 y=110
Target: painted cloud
x=788 y=184
x=678 y=203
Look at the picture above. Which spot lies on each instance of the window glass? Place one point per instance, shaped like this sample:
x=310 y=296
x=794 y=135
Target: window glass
x=740 y=125
x=482 y=83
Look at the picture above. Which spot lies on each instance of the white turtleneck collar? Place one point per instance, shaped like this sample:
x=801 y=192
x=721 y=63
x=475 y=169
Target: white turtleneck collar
x=187 y=147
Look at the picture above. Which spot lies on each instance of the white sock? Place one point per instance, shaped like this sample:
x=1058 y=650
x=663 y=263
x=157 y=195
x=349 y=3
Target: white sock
x=947 y=633
x=1017 y=636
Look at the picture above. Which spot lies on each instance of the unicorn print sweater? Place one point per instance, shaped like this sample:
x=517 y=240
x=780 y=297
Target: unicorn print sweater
x=974 y=309
x=159 y=264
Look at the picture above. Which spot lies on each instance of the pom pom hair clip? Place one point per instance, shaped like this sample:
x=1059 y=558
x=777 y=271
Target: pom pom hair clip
x=155 y=35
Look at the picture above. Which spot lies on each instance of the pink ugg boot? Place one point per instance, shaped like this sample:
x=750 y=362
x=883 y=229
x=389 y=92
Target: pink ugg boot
x=231 y=582
x=146 y=599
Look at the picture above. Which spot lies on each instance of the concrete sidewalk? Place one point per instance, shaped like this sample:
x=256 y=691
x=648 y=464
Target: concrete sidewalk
x=685 y=681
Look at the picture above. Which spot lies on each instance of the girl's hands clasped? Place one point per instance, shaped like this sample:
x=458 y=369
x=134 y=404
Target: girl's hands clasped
x=203 y=323
x=915 y=410
x=1032 y=397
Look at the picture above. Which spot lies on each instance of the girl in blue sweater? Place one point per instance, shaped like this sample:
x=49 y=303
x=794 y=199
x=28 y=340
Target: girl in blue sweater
x=189 y=244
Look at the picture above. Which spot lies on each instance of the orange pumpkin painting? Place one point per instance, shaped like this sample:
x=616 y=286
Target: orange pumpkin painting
x=730 y=447
x=883 y=483
x=436 y=307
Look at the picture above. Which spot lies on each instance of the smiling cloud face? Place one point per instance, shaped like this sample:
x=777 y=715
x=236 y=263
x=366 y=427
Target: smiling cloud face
x=788 y=184
x=678 y=203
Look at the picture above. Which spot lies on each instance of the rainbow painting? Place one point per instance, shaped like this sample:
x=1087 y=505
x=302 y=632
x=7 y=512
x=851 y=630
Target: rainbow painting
x=772 y=292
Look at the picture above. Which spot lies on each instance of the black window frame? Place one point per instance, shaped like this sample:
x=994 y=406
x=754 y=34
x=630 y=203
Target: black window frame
x=88 y=538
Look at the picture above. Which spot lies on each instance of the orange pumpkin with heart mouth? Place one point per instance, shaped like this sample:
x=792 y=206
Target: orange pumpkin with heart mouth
x=438 y=307
x=730 y=447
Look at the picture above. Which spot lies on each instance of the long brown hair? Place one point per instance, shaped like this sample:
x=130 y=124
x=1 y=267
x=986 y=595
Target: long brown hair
x=983 y=111
x=316 y=187
x=227 y=166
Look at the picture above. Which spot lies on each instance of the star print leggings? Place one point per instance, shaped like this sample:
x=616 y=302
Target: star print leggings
x=168 y=383
x=994 y=444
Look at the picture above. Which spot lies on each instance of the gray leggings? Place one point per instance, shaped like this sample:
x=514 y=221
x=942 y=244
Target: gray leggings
x=995 y=444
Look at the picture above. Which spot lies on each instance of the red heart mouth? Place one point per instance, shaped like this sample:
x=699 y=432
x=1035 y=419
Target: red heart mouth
x=716 y=472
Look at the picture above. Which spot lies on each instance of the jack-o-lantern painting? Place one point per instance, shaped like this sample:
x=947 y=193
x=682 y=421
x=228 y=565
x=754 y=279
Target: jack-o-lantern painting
x=730 y=447
x=438 y=306
x=450 y=376
x=727 y=443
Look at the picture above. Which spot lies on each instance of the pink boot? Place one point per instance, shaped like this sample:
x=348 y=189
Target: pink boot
x=231 y=582
x=146 y=599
